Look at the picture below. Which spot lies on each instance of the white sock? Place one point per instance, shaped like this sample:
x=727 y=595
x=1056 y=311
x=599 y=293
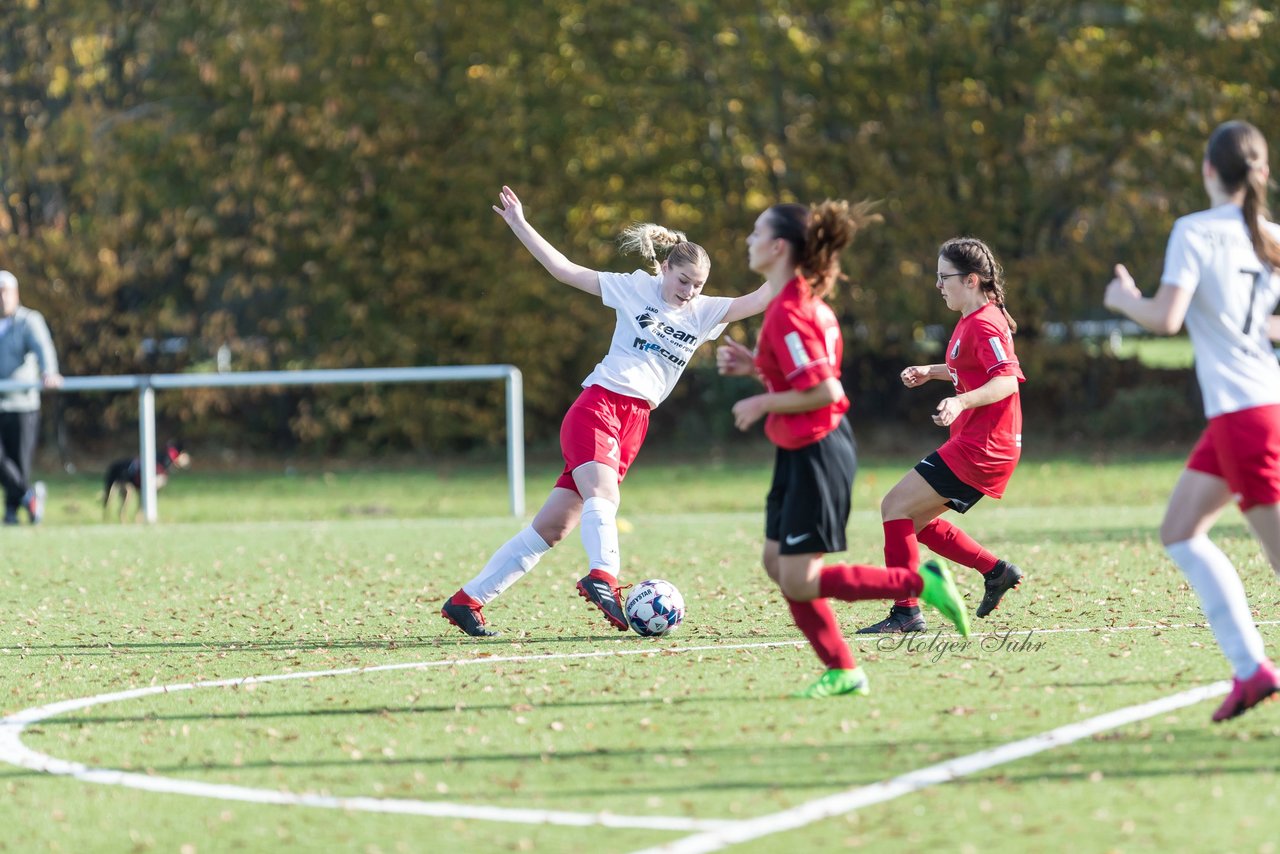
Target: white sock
x=1222 y=598
x=600 y=535
x=516 y=557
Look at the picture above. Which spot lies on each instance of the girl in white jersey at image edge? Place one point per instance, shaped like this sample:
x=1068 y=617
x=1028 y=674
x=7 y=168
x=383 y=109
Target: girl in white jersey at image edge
x=662 y=318
x=1220 y=279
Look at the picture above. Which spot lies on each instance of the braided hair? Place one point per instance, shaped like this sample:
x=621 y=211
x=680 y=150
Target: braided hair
x=971 y=255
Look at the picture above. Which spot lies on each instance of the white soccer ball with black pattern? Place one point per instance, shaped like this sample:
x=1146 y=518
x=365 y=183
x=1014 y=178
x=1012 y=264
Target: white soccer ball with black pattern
x=654 y=607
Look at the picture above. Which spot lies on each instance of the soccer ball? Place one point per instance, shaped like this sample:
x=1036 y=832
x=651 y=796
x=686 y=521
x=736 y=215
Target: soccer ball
x=654 y=607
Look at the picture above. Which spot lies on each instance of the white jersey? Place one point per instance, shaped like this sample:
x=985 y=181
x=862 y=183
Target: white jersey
x=652 y=341
x=1234 y=294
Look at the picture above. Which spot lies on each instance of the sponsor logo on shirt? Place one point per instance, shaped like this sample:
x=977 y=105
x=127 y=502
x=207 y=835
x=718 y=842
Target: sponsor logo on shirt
x=658 y=329
x=651 y=347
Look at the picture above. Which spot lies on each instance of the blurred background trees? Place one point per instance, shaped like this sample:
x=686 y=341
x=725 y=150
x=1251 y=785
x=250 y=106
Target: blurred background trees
x=307 y=184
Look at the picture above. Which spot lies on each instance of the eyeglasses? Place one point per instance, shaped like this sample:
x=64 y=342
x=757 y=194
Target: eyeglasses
x=944 y=276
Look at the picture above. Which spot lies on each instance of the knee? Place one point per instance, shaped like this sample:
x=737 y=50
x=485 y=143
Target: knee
x=770 y=564
x=796 y=587
x=893 y=507
x=553 y=532
x=1172 y=533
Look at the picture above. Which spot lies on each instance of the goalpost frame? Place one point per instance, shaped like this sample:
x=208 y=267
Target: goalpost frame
x=146 y=385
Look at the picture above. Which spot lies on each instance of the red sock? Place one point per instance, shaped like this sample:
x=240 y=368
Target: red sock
x=818 y=623
x=900 y=551
x=955 y=545
x=851 y=582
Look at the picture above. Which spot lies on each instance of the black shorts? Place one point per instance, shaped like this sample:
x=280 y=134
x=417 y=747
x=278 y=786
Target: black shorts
x=808 y=505
x=960 y=495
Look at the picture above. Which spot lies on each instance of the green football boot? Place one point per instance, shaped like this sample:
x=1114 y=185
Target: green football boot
x=941 y=593
x=836 y=682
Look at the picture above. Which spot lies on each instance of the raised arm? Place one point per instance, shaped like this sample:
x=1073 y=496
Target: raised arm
x=751 y=304
x=1162 y=314
x=564 y=270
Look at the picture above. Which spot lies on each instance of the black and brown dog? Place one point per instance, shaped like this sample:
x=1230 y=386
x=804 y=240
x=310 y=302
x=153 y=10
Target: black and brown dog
x=125 y=476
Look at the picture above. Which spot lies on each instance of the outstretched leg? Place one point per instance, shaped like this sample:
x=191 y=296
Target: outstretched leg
x=553 y=522
x=999 y=576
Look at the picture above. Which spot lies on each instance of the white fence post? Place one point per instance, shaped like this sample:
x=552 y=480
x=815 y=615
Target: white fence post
x=515 y=440
x=147 y=449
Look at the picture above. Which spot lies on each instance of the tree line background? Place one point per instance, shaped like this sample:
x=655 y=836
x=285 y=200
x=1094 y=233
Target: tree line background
x=307 y=184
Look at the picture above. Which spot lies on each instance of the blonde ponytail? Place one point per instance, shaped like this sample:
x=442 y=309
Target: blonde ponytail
x=657 y=243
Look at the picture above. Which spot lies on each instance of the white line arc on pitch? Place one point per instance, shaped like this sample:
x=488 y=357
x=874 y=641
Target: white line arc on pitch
x=932 y=775
x=14 y=752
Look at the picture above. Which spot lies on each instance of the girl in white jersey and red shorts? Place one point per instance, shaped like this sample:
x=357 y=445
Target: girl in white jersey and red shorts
x=662 y=318
x=1220 y=280
x=985 y=419
x=798 y=358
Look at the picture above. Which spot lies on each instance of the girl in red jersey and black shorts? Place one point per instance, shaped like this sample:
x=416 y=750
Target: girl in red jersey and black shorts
x=798 y=358
x=985 y=418
x=1220 y=277
x=662 y=318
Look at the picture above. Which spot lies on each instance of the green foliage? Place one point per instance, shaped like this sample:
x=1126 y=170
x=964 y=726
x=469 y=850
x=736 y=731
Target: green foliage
x=308 y=184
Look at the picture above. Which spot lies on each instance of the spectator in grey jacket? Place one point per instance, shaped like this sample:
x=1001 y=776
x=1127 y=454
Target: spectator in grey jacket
x=26 y=353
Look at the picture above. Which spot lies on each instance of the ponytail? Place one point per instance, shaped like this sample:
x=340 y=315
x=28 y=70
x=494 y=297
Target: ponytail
x=1237 y=151
x=818 y=234
x=1256 y=213
x=657 y=243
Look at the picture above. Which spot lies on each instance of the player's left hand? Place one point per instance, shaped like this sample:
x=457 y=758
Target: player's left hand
x=948 y=411
x=1121 y=291
x=748 y=411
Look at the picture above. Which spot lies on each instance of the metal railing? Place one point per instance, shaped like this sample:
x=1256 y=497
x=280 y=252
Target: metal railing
x=147 y=384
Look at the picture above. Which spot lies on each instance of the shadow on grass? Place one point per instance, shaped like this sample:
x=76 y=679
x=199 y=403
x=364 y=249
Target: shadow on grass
x=452 y=640
x=1192 y=753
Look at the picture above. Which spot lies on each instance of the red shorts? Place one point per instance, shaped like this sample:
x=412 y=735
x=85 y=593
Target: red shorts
x=1243 y=448
x=602 y=426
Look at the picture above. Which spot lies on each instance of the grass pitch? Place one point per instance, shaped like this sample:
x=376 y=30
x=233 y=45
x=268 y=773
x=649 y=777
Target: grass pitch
x=265 y=576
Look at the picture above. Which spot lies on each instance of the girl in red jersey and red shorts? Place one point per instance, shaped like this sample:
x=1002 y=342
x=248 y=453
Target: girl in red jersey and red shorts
x=985 y=419
x=1220 y=278
x=662 y=318
x=798 y=358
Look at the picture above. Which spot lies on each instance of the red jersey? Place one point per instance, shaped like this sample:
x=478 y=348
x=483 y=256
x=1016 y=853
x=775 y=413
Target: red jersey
x=799 y=347
x=985 y=442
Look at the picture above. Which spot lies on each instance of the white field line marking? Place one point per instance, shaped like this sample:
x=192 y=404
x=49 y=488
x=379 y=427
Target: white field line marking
x=14 y=752
x=943 y=772
x=1014 y=634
